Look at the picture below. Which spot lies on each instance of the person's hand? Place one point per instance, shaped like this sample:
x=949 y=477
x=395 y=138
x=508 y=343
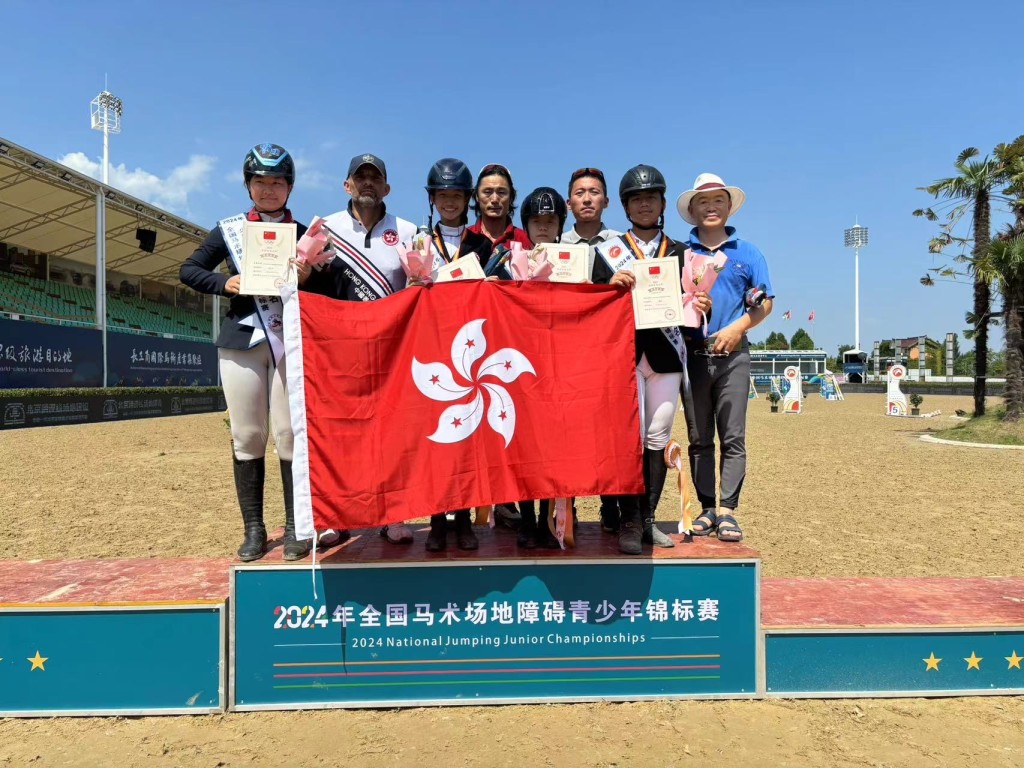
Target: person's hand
x=232 y=286
x=727 y=340
x=302 y=269
x=623 y=278
x=702 y=301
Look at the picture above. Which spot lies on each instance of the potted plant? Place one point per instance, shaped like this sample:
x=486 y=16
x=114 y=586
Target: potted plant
x=773 y=398
x=915 y=404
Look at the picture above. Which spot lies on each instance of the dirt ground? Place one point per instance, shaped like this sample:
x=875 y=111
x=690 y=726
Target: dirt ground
x=841 y=490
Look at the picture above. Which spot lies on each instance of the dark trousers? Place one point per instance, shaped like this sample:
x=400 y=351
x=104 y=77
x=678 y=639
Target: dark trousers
x=717 y=402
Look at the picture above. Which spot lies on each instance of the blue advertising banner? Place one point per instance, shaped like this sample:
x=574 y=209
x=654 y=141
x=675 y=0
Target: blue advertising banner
x=107 y=660
x=38 y=355
x=872 y=662
x=151 y=361
x=493 y=632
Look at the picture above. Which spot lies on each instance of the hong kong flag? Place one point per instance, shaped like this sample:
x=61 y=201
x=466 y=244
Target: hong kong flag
x=459 y=395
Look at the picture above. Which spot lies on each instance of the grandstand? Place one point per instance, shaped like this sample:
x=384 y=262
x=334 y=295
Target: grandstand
x=54 y=270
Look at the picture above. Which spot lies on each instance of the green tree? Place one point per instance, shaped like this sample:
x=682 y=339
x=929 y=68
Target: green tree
x=801 y=340
x=844 y=348
x=1006 y=266
x=776 y=341
x=970 y=191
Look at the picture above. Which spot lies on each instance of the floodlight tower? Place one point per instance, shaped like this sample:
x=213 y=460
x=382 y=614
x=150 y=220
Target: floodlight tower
x=106 y=116
x=856 y=237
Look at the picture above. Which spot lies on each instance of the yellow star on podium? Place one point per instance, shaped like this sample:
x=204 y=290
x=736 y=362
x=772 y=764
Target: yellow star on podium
x=932 y=663
x=1014 y=660
x=973 y=661
x=38 y=662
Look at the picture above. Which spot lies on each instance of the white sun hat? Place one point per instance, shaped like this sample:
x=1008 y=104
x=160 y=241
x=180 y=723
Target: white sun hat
x=708 y=182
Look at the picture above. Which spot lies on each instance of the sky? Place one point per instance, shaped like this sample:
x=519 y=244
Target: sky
x=826 y=114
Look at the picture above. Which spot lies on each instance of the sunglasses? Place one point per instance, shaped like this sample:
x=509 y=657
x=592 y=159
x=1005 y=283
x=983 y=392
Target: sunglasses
x=584 y=173
x=595 y=172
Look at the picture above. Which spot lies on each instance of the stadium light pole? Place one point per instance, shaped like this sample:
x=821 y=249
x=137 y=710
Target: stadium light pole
x=106 y=110
x=856 y=237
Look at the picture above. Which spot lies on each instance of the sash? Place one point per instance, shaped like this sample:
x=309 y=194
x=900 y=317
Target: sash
x=360 y=265
x=629 y=254
x=267 y=321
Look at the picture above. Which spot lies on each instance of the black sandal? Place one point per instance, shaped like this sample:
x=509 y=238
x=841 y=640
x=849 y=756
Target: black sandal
x=707 y=520
x=732 y=531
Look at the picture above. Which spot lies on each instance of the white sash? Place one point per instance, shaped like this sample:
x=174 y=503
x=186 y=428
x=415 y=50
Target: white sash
x=267 y=322
x=625 y=259
x=361 y=265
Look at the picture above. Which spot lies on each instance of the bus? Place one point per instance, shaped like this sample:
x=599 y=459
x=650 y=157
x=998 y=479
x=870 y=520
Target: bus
x=855 y=366
x=771 y=363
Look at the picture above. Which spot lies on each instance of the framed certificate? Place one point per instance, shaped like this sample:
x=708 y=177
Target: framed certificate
x=658 y=293
x=569 y=262
x=466 y=268
x=266 y=250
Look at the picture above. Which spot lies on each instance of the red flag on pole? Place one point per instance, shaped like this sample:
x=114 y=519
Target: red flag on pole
x=459 y=395
x=810 y=317
x=787 y=314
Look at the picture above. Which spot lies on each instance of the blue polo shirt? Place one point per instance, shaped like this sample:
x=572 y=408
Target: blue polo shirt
x=745 y=269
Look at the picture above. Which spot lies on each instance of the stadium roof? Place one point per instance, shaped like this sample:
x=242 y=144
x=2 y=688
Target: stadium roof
x=49 y=208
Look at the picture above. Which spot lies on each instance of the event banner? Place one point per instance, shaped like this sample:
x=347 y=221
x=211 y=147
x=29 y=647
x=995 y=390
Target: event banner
x=493 y=631
x=41 y=356
x=49 y=410
x=151 y=361
x=37 y=355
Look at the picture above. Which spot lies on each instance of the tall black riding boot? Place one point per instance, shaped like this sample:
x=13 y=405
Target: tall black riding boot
x=249 y=477
x=527 y=538
x=545 y=538
x=437 y=539
x=464 y=536
x=610 y=514
x=631 y=525
x=293 y=549
x=654 y=481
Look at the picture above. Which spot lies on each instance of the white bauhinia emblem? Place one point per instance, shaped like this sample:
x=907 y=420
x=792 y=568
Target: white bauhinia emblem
x=437 y=381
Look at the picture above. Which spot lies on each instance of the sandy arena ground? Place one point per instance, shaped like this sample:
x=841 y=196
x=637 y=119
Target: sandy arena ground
x=840 y=490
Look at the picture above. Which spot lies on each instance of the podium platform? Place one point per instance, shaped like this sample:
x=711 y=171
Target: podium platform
x=112 y=637
x=840 y=638
x=393 y=626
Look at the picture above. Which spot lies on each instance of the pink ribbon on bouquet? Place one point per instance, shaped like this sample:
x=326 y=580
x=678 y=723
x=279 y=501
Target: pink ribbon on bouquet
x=532 y=264
x=674 y=460
x=417 y=261
x=312 y=246
x=699 y=274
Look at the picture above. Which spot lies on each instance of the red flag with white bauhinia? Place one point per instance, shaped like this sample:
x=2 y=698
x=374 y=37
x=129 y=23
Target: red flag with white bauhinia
x=810 y=317
x=459 y=395
x=787 y=315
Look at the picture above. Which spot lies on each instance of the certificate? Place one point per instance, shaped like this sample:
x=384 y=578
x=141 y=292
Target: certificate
x=658 y=293
x=568 y=262
x=466 y=268
x=266 y=250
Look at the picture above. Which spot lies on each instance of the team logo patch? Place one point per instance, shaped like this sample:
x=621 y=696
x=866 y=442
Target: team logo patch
x=275 y=323
x=390 y=237
x=615 y=252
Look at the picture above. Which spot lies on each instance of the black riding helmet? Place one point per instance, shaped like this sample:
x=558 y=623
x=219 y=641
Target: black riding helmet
x=641 y=178
x=268 y=160
x=449 y=173
x=543 y=201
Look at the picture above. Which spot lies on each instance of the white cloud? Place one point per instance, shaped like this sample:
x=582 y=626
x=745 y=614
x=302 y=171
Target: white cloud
x=170 y=193
x=308 y=177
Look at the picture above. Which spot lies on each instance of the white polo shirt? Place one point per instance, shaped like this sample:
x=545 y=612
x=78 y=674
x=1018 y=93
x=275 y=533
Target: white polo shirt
x=369 y=264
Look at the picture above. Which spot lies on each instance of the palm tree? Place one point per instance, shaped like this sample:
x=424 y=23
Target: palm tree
x=1005 y=265
x=970 y=190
